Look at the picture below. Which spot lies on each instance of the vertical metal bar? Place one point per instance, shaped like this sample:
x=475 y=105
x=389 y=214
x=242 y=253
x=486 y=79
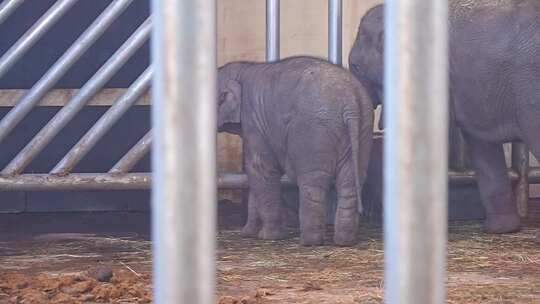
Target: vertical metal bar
x=61 y=66
x=272 y=30
x=416 y=116
x=459 y=159
x=134 y=155
x=7 y=7
x=33 y=34
x=184 y=159
x=104 y=124
x=75 y=104
x=520 y=164
x=462 y=159
x=335 y=13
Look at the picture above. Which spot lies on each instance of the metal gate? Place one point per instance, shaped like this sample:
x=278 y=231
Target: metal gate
x=92 y=92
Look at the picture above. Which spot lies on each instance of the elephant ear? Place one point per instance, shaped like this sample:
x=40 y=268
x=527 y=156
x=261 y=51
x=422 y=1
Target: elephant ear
x=230 y=101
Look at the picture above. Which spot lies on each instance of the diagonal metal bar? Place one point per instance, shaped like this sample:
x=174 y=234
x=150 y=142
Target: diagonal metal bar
x=100 y=128
x=134 y=155
x=61 y=66
x=34 y=34
x=66 y=114
x=7 y=7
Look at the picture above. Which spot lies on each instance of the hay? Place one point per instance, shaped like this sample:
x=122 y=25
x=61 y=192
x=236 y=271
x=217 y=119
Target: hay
x=481 y=269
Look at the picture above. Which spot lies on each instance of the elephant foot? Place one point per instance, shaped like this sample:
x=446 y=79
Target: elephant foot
x=274 y=233
x=502 y=223
x=250 y=230
x=345 y=239
x=311 y=239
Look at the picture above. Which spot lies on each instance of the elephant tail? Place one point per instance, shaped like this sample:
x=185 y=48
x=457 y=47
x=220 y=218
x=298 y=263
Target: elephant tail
x=358 y=118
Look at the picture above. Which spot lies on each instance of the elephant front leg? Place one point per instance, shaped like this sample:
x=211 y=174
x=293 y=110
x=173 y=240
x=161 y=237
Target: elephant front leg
x=253 y=222
x=313 y=195
x=495 y=187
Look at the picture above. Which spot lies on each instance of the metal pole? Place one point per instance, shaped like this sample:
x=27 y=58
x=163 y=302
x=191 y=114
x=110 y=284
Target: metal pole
x=335 y=13
x=459 y=159
x=31 y=36
x=104 y=124
x=184 y=159
x=534 y=175
x=61 y=66
x=272 y=30
x=520 y=164
x=416 y=114
x=7 y=7
x=75 y=104
x=134 y=155
x=108 y=181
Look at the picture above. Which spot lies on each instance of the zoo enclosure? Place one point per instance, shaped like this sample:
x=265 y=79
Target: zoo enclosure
x=120 y=176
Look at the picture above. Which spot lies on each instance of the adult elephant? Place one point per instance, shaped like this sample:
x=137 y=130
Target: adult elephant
x=494 y=87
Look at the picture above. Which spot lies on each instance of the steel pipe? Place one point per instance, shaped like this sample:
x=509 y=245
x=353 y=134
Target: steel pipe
x=520 y=164
x=460 y=158
x=125 y=181
x=134 y=155
x=79 y=181
x=104 y=124
x=61 y=66
x=184 y=151
x=7 y=7
x=108 y=181
x=335 y=13
x=70 y=110
x=534 y=175
x=416 y=151
x=272 y=30
x=33 y=34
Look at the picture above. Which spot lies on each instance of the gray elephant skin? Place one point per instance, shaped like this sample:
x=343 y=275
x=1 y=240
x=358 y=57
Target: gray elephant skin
x=310 y=120
x=494 y=72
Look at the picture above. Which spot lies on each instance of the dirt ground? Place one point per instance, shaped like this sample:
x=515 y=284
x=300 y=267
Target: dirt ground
x=60 y=268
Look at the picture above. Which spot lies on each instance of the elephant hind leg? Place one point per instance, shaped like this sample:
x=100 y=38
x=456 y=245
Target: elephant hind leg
x=494 y=185
x=314 y=187
x=270 y=210
x=347 y=216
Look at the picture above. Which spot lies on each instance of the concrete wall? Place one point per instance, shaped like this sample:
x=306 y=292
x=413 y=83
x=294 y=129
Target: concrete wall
x=304 y=31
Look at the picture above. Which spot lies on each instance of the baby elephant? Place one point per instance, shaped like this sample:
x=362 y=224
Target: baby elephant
x=310 y=120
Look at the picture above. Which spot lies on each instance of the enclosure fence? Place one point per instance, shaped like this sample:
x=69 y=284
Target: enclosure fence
x=120 y=176
x=189 y=19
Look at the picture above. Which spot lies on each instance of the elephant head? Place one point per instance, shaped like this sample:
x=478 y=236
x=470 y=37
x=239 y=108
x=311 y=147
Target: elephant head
x=229 y=99
x=366 y=59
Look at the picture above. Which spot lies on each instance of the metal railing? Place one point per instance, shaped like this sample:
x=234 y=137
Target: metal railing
x=93 y=92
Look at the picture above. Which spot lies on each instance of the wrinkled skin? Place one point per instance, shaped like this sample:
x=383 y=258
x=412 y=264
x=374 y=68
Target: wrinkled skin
x=494 y=87
x=372 y=197
x=305 y=118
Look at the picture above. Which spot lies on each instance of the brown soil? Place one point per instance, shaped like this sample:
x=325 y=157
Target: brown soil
x=57 y=269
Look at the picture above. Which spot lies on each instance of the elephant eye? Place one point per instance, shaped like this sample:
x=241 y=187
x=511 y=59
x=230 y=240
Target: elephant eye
x=222 y=98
